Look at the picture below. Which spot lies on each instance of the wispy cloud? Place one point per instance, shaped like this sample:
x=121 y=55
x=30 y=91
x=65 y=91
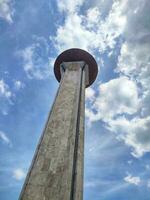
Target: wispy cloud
x=4 y=90
x=19 y=174
x=135 y=180
x=5 y=97
x=89 y=94
x=124 y=104
x=89 y=31
x=36 y=59
x=115 y=97
x=6 y=10
x=69 y=5
x=18 y=84
x=5 y=138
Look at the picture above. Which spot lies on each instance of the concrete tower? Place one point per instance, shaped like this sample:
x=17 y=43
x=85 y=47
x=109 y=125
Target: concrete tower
x=56 y=172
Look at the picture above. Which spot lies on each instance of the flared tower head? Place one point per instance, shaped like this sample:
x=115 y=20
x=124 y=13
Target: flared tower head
x=76 y=55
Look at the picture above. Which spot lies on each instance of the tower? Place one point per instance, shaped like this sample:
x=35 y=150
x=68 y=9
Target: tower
x=56 y=172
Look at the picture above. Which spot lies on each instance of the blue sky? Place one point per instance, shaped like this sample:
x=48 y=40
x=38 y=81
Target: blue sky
x=117 y=135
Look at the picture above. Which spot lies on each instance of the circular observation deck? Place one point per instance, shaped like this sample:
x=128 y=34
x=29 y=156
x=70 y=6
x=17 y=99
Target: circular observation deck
x=72 y=55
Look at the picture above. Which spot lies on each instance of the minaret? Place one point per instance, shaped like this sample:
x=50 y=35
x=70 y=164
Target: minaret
x=56 y=172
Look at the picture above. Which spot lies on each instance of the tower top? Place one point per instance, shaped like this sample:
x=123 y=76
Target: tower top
x=72 y=55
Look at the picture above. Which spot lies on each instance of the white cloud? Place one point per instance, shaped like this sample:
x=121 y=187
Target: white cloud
x=4 y=90
x=73 y=34
x=121 y=96
x=69 y=5
x=90 y=94
x=134 y=59
x=138 y=136
x=19 y=174
x=36 y=61
x=93 y=15
x=5 y=138
x=134 y=62
x=115 y=97
x=135 y=133
x=90 y=31
x=6 y=10
x=5 y=97
x=135 y=180
x=18 y=84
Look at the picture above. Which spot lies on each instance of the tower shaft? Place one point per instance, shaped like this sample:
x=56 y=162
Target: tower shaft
x=56 y=172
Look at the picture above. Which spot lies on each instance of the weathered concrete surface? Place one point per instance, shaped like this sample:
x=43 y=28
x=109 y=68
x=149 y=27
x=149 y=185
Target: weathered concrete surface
x=78 y=185
x=56 y=172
